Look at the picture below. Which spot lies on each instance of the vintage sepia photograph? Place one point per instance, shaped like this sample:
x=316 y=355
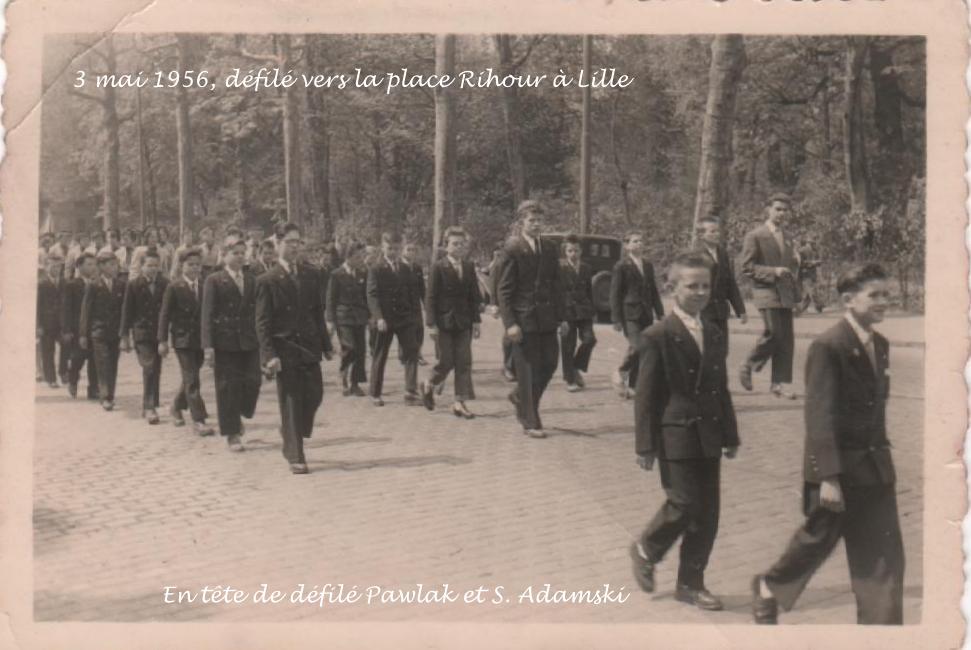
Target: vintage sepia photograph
x=606 y=329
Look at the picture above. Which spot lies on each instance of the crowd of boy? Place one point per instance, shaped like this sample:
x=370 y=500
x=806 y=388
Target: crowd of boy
x=254 y=308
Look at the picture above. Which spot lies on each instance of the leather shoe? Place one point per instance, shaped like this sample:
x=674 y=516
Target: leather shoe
x=765 y=611
x=779 y=391
x=643 y=569
x=177 y=418
x=428 y=395
x=72 y=390
x=235 y=444
x=202 y=429
x=573 y=388
x=356 y=391
x=508 y=375
x=107 y=404
x=299 y=468
x=377 y=401
x=151 y=416
x=412 y=399
x=580 y=382
x=700 y=598
x=461 y=411
x=745 y=376
x=535 y=433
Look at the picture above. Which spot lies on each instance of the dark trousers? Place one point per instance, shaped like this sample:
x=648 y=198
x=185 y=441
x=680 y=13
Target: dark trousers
x=535 y=359
x=690 y=512
x=577 y=358
x=632 y=360
x=151 y=363
x=353 y=353
x=507 y=363
x=189 y=395
x=409 y=357
x=106 y=359
x=238 y=378
x=63 y=360
x=870 y=528
x=372 y=338
x=419 y=338
x=455 y=353
x=47 y=356
x=78 y=358
x=300 y=390
x=776 y=343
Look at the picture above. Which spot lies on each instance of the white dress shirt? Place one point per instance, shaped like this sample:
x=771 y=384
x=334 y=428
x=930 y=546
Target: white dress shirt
x=694 y=326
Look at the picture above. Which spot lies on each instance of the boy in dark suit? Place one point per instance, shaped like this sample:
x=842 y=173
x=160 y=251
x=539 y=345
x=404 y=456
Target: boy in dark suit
x=229 y=340
x=452 y=314
x=347 y=312
x=724 y=287
x=49 y=288
x=71 y=299
x=181 y=313
x=770 y=261
x=292 y=334
x=139 y=320
x=390 y=284
x=531 y=306
x=409 y=260
x=634 y=300
x=101 y=325
x=684 y=418
x=850 y=484
x=578 y=304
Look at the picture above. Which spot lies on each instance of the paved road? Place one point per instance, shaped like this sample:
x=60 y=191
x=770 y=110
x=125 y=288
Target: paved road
x=397 y=496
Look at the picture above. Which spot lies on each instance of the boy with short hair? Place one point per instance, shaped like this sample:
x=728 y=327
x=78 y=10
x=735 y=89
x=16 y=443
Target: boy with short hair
x=684 y=418
x=71 y=299
x=452 y=315
x=725 y=294
x=849 y=491
x=101 y=325
x=634 y=299
x=347 y=311
x=139 y=320
x=576 y=277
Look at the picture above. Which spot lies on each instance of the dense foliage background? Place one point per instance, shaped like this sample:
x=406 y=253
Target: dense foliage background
x=362 y=161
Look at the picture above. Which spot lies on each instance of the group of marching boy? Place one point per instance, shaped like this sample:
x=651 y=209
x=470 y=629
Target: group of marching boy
x=256 y=309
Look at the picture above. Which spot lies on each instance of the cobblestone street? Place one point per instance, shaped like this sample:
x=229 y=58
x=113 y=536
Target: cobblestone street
x=397 y=496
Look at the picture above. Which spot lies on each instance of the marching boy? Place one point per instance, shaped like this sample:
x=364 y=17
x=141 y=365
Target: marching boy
x=849 y=490
x=576 y=278
x=684 y=419
x=100 y=326
x=452 y=314
x=139 y=320
x=347 y=312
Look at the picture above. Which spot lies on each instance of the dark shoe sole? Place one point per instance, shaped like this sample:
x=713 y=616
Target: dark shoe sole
x=646 y=584
x=688 y=599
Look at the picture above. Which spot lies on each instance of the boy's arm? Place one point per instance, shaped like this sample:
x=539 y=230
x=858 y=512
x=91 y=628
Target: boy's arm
x=617 y=295
x=822 y=413
x=650 y=399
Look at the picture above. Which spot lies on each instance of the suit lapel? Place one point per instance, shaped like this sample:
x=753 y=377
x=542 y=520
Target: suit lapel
x=856 y=352
x=684 y=340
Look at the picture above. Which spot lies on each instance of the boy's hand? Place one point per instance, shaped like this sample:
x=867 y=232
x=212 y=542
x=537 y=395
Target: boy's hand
x=646 y=461
x=831 y=496
x=731 y=452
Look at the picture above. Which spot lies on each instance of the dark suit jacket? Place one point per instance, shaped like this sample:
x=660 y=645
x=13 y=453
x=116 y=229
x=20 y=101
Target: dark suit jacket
x=724 y=288
x=181 y=313
x=417 y=288
x=577 y=291
x=682 y=408
x=347 y=297
x=529 y=288
x=71 y=297
x=101 y=310
x=49 y=305
x=452 y=304
x=634 y=297
x=141 y=308
x=256 y=268
x=846 y=401
x=760 y=253
x=389 y=294
x=228 y=317
x=290 y=323
x=323 y=281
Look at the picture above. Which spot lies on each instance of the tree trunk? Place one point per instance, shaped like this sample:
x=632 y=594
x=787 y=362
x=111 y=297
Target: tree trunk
x=622 y=181
x=585 y=141
x=511 y=115
x=242 y=182
x=854 y=143
x=892 y=167
x=444 y=140
x=727 y=63
x=291 y=142
x=826 y=128
x=139 y=137
x=319 y=143
x=184 y=142
x=112 y=143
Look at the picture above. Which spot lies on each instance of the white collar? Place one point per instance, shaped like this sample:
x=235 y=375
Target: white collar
x=453 y=261
x=639 y=261
x=390 y=263
x=691 y=322
x=864 y=336
x=347 y=268
x=283 y=263
x=772 y=227
x=532 y=241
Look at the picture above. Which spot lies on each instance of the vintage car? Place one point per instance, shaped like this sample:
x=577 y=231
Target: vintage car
x=598 y=251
